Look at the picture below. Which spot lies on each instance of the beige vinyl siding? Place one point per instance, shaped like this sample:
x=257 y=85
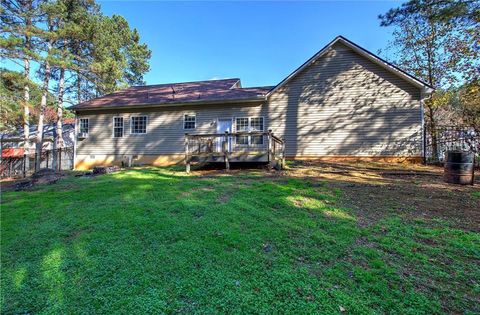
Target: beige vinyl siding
x=165 y=132
x=344 y=104
x=341 y=105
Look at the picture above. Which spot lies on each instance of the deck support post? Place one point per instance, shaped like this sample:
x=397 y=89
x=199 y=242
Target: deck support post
x=212 y=147
x=187 y=155
x=225 y=151
x=271 y=158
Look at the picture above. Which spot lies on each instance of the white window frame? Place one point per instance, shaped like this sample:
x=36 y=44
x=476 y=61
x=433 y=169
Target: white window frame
x=123 y=127
x=249 y=129
x=263 y=130
x=80 y=125
x=194 y=122
x=236 y=130
x=131 y=125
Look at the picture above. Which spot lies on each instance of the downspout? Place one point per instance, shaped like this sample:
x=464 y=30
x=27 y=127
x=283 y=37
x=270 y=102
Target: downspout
x=424 y=133
x=424 y=93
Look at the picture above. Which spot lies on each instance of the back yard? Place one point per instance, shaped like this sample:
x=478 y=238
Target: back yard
x=344 y=238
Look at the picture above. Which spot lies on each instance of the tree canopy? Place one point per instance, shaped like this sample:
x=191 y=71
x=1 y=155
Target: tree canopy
x=439 y=41
x=436 y=40
x=77 y=52
x=11 y=113
x=99 y=53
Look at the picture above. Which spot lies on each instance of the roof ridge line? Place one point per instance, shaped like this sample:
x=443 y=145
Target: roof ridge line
x=172 y=83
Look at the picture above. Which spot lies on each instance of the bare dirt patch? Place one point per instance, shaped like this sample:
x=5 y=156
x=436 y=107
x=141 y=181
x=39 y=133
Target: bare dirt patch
x=374 y=190
x=224 y=198
x=410 y=190
x=42 y=177
x=75 y=234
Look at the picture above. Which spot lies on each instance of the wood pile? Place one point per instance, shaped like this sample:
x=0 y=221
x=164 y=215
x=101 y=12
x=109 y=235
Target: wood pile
x=98 y=170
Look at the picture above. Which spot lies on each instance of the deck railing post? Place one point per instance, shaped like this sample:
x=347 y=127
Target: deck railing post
x=268 y=146
x=225 y=151
x=274 y=149
x=283 y=152
x=269 y=149
x=187 y=157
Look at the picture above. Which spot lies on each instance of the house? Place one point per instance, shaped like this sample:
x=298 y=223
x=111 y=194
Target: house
x=15 y=139
x=12 y=146
x=343 y=103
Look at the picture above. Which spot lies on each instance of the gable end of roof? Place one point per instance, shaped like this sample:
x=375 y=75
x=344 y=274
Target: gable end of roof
x=426 y=88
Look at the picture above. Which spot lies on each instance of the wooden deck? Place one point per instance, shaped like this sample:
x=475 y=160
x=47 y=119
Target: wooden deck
x=234 y=147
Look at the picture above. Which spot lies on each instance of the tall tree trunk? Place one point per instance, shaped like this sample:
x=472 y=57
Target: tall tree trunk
x=26 y=113
x=432 y=120
x=432 y=130
x=59 y=128
x=26 y=91
x=79 y=88
x=43 y=107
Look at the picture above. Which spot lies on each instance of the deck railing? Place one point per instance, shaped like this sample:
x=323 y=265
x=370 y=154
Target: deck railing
x=227 y=144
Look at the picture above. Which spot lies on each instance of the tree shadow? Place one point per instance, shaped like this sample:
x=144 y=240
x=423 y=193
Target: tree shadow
x=344 y=105
x=165 y=137
x=169 y=239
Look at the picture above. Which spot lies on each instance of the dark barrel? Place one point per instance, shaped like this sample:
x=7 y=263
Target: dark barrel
x=458 y=168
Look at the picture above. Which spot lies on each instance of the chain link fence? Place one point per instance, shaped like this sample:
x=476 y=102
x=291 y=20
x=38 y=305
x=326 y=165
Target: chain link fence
x=447 y=138
x=21 y=166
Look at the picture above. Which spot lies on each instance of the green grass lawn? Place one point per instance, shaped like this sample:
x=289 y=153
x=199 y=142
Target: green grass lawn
x=476 y=194
x=156 y=240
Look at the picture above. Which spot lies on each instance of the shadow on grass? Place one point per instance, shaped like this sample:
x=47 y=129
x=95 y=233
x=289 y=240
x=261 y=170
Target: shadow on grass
x=163 y=241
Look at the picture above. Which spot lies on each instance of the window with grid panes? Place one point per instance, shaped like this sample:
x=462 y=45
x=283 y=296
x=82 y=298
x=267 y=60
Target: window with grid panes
x=117 y=127
x=241 y=125
x=84 y=125
x=189 y=121
x=256 y=124
x=138 y=125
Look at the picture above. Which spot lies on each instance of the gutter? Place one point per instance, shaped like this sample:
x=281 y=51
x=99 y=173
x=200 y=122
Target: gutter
x=427 y=90
x=425 y=93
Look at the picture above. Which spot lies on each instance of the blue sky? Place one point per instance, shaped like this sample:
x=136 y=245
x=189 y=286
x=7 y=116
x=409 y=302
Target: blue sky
x=259 y=42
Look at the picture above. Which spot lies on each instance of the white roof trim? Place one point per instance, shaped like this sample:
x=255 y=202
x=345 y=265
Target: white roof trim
x=363 y=52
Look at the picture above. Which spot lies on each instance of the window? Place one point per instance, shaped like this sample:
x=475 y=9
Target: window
x=256 y=124
x=83 y=125
x=242 y=126
x=138 y=125
x=248 y=125
x=117 y=127
x=189 y=121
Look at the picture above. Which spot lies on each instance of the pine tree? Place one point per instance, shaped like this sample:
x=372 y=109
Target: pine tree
x=119 y=59
x=78 y=50
x=18 y=44
x=73 y=19
x=49 y=37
